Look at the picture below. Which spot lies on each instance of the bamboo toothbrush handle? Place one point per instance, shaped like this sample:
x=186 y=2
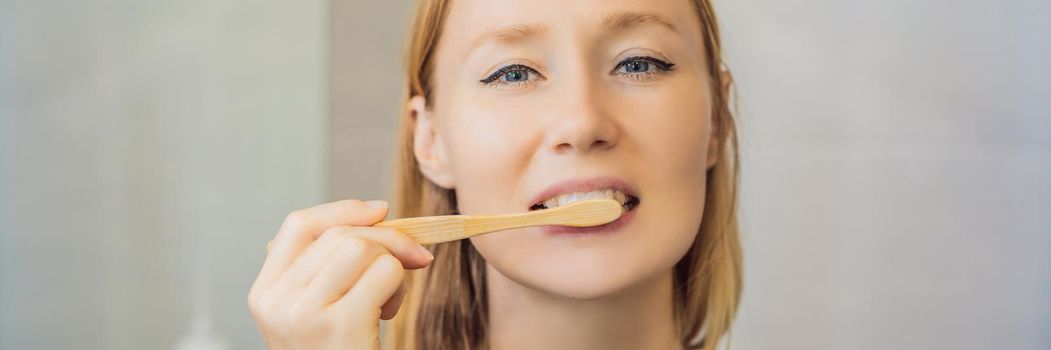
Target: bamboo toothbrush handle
x=438 y=229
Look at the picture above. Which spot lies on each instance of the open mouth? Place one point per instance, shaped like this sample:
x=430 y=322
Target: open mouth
x=627 y=201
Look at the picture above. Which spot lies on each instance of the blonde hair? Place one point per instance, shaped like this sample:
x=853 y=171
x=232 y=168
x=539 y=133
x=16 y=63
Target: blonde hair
x=454 y=313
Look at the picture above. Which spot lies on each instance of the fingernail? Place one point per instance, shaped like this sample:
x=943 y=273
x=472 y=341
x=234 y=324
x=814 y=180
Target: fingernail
x=425 y=253
x=377 y=204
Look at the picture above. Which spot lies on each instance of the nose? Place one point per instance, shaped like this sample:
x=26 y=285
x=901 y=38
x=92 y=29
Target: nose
x=582 y=123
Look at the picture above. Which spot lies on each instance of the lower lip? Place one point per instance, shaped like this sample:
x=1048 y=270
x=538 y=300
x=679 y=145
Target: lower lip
x=610 y=227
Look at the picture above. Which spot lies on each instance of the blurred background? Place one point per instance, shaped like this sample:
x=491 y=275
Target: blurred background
x=896 y=164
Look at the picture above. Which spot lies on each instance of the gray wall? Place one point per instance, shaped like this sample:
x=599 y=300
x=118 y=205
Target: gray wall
x=896 y=184
x=897 y=173
x=149 y=152
x=365 y=94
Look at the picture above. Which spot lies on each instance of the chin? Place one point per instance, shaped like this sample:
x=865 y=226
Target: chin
x=580 y=276
x=578 y=289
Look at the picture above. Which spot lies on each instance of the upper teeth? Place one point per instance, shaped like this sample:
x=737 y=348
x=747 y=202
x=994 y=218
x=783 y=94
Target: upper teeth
x=567 y=198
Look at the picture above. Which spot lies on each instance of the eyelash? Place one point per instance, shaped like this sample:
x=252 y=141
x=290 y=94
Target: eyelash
x=661 y=65
x=508 y=69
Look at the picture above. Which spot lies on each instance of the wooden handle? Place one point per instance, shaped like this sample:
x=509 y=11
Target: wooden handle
x=438 y=229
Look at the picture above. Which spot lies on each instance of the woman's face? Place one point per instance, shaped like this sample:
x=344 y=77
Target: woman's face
x=532 y=99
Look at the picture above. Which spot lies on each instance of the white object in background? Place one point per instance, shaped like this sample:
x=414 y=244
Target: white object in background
x=202 y=336
x=196 y=196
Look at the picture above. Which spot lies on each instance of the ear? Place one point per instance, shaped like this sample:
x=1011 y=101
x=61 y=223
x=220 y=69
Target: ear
x=427 y=145
x=715 y=143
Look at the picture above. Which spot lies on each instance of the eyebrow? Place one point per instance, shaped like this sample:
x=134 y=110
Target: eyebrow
x=616 y=21
x=624 y=20
x=511 y=34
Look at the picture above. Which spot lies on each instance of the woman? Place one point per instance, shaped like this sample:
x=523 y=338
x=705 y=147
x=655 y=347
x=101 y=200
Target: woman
x=515 y=106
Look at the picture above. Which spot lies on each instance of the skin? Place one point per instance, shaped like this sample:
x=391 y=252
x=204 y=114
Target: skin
x=577 y=114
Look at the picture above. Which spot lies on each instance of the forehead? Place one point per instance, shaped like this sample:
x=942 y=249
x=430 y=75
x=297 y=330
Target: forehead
x=471 y=23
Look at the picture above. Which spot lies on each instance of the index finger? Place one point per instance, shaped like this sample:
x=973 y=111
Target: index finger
x=303 y=227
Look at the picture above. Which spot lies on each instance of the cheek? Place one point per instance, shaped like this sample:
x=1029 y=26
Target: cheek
x=673 y=143
x=671 y=128
x=489 y=153
x=676 y=143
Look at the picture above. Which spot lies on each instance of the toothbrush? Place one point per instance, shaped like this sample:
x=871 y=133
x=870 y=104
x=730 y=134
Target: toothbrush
x=445 y=228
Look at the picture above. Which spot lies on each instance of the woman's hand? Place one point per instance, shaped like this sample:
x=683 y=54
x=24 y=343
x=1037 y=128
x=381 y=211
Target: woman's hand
x=329 y=278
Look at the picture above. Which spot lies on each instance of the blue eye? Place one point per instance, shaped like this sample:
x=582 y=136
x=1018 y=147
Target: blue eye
x=513 y=74
x=636 y=66
x=516 y=75
x=642 y=65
